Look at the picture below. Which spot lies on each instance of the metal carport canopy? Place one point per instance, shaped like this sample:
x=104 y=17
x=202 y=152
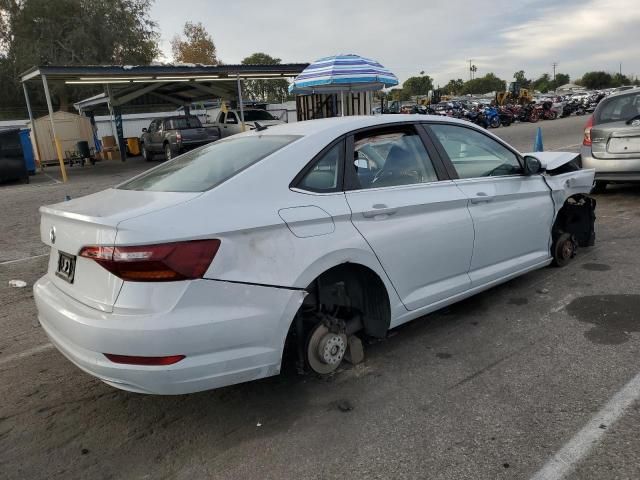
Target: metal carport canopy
x=178 y=84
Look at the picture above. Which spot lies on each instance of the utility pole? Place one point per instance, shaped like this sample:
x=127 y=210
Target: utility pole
x=555 y=64
x=621 y=69
x=470 y=69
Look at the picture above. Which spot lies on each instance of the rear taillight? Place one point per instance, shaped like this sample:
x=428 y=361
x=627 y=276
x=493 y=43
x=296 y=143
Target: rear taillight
x=136 y=360
x=586 y=140
x=166 y=262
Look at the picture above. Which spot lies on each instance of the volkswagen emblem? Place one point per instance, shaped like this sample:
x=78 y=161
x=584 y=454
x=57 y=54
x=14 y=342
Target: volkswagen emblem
x=52 y=235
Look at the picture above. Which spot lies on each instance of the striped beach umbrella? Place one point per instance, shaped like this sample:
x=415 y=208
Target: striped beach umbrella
x=343 y=73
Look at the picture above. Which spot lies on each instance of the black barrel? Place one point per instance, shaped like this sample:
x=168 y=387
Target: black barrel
x=83 y=149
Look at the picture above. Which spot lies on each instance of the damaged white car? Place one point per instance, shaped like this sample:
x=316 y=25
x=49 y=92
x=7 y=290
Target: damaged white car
x=196 y=274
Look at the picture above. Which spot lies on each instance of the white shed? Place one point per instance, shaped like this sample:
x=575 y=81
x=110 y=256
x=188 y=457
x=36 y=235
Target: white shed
x=70 y=128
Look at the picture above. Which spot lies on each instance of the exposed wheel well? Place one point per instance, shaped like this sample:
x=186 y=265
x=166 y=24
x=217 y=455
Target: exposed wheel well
x=576 y=217
x=351 y=293
x=348 y=289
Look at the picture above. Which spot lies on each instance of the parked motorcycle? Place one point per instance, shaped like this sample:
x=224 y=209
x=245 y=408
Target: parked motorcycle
x=493 y=117
x=506 y=116
x=529 y=113
x=546 y=111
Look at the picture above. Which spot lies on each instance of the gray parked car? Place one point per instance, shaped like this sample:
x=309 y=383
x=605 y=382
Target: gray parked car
x=174 y=135
x=611 y=141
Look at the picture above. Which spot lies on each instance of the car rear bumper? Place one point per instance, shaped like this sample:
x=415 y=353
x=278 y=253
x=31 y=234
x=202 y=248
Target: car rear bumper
x=626 y=170
x=229 y=333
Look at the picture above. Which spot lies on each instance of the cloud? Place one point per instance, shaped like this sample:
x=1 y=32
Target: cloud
x=409 y=36
x=565 y=27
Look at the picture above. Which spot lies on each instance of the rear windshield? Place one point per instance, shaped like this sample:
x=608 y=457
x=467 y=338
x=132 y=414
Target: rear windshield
x=253 y=115
x=619 y=108
x=182 y=123
x=206 y=167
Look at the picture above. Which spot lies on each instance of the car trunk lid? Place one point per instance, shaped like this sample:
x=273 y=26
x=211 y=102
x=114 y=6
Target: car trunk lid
x=615 y=140
x=93 y=220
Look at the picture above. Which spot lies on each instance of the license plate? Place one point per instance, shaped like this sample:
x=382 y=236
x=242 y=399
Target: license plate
x=624 y=145
x=66 y=266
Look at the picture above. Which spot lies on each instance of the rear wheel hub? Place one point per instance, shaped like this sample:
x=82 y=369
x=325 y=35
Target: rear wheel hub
x=325 y=349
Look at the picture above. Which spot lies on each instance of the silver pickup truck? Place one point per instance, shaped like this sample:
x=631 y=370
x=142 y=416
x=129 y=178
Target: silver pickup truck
x=230 y=124
x=174 y=135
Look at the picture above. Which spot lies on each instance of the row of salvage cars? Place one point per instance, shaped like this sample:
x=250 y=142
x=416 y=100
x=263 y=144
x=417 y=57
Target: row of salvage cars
x=199 y=272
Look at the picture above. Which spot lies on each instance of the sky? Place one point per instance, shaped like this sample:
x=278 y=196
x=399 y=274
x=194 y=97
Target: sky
x=409 y=36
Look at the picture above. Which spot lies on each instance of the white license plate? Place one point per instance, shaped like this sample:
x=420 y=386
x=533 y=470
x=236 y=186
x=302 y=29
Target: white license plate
x=66 y=266
x=624 y=145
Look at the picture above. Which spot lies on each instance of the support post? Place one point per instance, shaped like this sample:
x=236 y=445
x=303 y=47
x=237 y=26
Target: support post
x=33 y=125
x=240 y=101
x=112 y=121
x=53 y=128
x=341 y=103
x=117 y=127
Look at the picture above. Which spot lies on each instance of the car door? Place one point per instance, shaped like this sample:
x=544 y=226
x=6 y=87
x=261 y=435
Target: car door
x=414 y=218
x=512 y=213
x=148 y=136
x=232 y=124
x=221 y=123
x=158 y=135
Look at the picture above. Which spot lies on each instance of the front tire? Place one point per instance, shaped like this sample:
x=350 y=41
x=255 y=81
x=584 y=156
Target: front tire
x=168 y=151
x=146 y=154
x=563 y=250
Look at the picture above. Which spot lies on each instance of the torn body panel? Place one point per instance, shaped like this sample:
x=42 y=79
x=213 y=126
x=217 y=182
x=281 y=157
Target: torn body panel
x=564 y=175
x=575 y=211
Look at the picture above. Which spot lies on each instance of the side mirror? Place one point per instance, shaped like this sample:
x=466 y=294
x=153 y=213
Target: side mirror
x=532 y=165
x=144 y=130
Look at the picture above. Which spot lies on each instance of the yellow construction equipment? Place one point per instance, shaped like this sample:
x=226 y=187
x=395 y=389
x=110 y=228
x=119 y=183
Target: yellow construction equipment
x=515 y=94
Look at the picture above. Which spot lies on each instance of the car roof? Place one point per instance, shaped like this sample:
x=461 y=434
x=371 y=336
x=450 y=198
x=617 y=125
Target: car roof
x=629 y=91
x=341 y=125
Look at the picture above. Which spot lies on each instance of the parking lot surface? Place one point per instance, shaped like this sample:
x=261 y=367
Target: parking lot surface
x=493 y=387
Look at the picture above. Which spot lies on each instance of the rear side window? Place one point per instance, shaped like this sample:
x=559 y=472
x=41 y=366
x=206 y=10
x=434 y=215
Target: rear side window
x=182 y=123
x=324 y=175
x=619 y=109
x=202 y=169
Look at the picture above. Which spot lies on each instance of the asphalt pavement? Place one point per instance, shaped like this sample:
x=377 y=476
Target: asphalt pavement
x=494 y=387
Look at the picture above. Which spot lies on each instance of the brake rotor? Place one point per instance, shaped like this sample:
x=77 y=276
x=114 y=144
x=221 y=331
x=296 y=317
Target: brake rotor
x=325 y=349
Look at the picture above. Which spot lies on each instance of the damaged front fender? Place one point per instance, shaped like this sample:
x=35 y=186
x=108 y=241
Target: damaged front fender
x=570 y=186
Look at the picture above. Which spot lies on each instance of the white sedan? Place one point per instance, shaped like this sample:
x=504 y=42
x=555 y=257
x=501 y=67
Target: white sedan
x=197 y=273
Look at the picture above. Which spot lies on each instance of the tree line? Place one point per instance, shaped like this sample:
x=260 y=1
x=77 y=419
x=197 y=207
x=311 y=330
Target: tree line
x=421 y=85
x=96 y=32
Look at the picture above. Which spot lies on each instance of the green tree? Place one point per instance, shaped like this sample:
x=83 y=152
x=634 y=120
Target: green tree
x=70 y=32
x=595 y=80
x=489 y=83
x=520 y=77
x=454 y=87
x=399 y=94
x=418 y=85
x=619 y=80
x=265 y=90
x=196 y=47
x=561 y=79
x=544 y=83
